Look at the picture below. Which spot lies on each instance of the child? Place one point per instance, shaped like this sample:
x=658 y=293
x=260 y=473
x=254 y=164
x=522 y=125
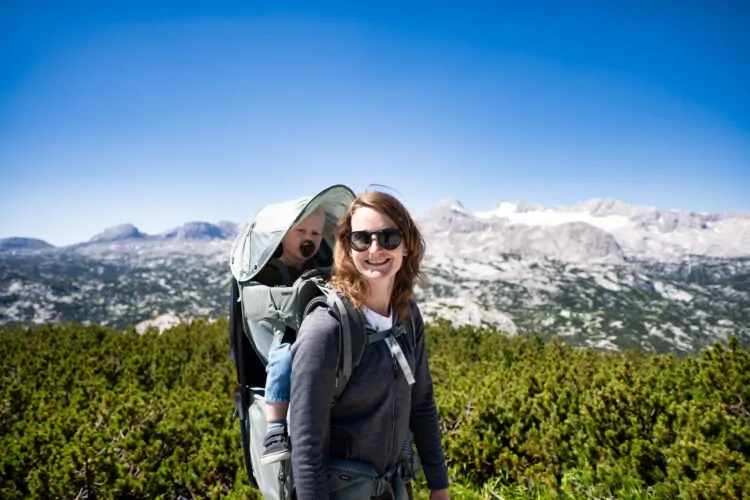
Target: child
x=299 y=245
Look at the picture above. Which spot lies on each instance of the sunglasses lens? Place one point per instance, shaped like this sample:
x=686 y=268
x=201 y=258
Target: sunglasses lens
x=389 y=238
x=360 y=240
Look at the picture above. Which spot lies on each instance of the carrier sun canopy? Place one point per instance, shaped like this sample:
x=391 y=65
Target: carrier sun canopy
x=258 y=240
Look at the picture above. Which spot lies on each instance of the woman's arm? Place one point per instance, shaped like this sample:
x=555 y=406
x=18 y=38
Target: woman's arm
x=314 y=362
x=424 y=417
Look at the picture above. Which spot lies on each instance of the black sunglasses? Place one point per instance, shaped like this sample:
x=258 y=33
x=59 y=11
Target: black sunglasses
x=388 y=238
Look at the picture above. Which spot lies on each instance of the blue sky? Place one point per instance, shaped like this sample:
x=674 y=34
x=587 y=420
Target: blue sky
x=161 y=114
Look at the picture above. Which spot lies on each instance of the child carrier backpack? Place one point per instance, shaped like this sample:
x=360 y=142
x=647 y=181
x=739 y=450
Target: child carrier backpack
x=261 y=317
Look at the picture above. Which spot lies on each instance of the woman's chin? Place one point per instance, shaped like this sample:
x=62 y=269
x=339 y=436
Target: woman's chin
x=377 y=274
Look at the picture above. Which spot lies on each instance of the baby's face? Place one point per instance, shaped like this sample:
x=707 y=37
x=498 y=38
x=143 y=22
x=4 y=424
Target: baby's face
x=303 y=241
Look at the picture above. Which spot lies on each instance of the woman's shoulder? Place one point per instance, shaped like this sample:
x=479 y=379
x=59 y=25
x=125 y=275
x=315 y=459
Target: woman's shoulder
x=416 y=319
x=319 y=322
x=413 y=305
x=415 y=311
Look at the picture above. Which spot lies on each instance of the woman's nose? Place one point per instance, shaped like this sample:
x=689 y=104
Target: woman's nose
x=374 y=241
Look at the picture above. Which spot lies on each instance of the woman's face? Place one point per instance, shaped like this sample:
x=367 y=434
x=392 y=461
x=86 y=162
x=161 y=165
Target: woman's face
x=376 y=263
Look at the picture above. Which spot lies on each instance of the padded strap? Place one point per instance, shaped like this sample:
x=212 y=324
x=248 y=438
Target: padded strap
x=346 y=334
x=398 y=354
x=395 y=331
x=333 y=302
x=373 y=336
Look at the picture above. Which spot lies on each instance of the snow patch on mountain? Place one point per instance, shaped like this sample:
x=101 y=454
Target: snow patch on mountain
x=551 y=217
x=641 y=232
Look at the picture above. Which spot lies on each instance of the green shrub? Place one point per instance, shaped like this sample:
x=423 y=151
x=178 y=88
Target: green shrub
x=90 y=411
x=537 y=413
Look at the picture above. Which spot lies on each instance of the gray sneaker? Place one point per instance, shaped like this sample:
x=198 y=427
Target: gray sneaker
x=276 y=447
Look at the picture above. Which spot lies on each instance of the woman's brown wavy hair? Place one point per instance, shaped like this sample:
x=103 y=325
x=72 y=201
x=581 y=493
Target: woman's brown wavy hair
x=345 y=275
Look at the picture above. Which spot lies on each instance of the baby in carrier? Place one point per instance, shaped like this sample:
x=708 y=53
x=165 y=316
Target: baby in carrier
x=299 y=246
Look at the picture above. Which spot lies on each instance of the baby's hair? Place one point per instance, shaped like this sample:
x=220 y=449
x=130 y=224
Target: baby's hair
x=318 y=210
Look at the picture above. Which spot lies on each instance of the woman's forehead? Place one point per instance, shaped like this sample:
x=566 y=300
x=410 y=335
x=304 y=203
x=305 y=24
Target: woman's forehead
x=368 y=219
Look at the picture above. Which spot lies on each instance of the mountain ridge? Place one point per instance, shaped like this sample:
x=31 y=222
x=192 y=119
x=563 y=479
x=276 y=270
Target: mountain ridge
x=605 y=281
x=638 y=231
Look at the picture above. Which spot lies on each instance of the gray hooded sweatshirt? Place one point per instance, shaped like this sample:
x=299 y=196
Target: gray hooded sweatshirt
x=371 y=419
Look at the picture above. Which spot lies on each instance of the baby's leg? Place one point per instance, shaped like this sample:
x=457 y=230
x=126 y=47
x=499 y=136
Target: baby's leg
x=276 y=412
x=278 y=383
x=276 y=445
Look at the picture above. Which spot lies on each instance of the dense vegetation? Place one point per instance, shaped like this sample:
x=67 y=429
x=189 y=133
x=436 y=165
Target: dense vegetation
x=90 y=412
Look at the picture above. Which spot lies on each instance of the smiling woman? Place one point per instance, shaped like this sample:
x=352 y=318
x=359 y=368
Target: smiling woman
x=378 y=253
x=377 y=262
x=388 y=401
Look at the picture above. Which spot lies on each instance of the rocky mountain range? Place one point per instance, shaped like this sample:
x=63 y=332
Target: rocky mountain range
x=601 y=230
x=600 y=273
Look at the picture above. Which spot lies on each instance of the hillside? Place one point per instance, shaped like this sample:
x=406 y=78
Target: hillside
x=90 y=412
x=601 y=274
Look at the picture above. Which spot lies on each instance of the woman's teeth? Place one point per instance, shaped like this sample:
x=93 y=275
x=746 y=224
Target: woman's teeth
x=380 y=261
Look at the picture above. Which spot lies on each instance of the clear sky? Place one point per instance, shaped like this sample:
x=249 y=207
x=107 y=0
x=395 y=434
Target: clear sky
x=159 y=113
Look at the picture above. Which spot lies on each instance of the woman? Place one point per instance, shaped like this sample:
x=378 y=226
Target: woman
x=376 y=263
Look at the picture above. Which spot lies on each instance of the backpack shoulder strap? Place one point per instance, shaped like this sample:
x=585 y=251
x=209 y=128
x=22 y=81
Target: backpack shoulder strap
x=403 y=338
x=411 y=331
x=353 y=335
